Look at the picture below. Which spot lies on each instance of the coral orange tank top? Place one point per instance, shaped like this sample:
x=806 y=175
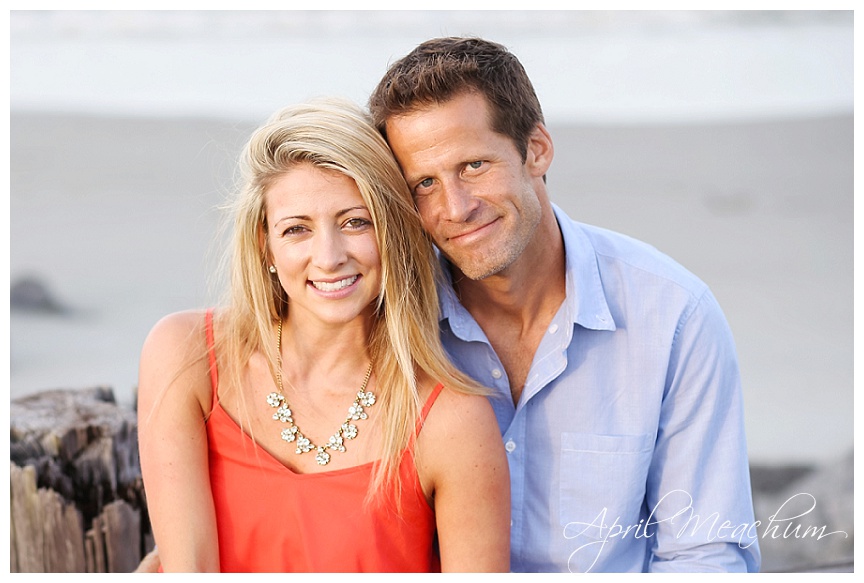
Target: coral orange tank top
x=271 y=519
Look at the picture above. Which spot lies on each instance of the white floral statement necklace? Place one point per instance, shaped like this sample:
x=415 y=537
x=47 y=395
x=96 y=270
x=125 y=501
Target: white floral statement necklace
x=292 y=433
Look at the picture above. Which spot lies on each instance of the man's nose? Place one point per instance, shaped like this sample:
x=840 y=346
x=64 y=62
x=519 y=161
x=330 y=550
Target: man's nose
x=458 y=202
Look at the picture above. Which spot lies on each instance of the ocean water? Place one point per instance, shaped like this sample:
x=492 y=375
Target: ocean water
x=124 y=235
x=587 y=66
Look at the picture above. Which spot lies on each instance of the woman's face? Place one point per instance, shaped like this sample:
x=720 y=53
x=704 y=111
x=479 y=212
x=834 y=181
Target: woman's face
x=322 y=242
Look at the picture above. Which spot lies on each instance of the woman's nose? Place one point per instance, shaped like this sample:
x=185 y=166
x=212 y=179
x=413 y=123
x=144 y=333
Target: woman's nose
x=329 y=251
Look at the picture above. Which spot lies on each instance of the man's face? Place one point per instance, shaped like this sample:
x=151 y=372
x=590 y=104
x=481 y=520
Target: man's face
x=475 y=195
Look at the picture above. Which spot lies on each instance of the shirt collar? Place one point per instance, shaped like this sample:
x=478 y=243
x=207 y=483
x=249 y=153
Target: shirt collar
x=585 y=303
x=586 y=300
x=460 y=321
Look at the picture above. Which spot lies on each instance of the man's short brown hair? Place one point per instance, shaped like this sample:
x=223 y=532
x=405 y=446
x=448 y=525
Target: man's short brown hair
x=440 y=69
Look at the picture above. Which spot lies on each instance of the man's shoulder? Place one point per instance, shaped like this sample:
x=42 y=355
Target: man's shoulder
x=620 y=253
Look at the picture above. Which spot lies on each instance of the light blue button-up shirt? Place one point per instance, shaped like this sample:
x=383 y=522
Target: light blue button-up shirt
x=626 y=448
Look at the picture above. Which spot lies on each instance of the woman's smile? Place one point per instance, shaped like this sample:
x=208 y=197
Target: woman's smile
x=335 y=286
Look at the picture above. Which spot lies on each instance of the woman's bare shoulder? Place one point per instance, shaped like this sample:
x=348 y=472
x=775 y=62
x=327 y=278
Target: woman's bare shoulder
x=179 y=337
x=460 y=408
x=462 y=466
x=175 y=351
x=178 y=328
x=457 y=418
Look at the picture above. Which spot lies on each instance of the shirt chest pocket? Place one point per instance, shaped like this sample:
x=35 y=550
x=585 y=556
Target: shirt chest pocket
x=602 y=479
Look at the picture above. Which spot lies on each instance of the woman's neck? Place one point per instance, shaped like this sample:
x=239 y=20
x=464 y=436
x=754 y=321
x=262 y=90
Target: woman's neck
x=314 y=353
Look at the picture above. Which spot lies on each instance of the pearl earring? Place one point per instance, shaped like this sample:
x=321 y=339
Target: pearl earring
x=272 y=269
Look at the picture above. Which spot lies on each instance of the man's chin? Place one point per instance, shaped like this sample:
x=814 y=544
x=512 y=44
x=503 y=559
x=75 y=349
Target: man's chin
x=477 y=270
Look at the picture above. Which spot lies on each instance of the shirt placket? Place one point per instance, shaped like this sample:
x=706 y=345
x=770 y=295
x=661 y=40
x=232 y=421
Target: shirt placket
x=514 y=445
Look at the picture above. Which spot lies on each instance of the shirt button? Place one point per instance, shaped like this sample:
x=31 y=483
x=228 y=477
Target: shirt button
x=510 y=446
x=553 y=328
x=496 y=373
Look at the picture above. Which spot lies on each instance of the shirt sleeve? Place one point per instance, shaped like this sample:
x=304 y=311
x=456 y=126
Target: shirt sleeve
x=698 y=490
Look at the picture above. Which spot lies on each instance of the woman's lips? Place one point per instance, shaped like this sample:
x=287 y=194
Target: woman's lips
x=333 y=286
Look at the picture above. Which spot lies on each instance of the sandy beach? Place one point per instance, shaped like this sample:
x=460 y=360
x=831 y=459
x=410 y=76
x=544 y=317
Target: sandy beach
x=118 y=217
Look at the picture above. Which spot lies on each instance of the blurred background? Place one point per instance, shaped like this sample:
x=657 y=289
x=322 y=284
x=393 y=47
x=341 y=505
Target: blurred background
x=725 y=139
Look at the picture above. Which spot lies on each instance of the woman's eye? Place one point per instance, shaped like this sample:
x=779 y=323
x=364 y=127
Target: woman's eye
x=425 y=183
x=295 y=230
x=356 y=223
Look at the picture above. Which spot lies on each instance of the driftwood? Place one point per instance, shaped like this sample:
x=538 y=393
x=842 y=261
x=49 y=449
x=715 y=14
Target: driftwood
x=77 y=496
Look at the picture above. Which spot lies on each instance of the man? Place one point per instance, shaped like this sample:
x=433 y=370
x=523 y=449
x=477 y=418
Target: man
x=615 y=375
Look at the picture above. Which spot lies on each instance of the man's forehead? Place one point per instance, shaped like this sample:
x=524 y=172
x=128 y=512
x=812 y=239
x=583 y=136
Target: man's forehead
x=477 y=101
x=461 y=111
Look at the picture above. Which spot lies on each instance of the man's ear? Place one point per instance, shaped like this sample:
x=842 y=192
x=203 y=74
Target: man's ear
x=540 y=151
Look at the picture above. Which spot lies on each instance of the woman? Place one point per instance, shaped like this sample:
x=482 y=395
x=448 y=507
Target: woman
x=304 y=427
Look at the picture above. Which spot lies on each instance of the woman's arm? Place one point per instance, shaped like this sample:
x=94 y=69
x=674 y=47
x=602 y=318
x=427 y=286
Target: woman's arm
x=462 y=463
x=173 y=396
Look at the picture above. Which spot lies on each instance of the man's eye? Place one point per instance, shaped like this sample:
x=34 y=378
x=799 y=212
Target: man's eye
x=476 y=165
x=425 y=183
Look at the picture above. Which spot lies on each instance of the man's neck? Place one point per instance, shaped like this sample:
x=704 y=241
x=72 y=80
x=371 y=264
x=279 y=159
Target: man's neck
x=515 y=306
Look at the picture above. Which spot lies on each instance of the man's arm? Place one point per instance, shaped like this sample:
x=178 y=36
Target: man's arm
x=699 y=481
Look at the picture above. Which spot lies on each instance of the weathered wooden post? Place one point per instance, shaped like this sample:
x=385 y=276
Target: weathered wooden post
x=77 y=496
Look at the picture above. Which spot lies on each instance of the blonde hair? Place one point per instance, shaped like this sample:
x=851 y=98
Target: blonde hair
x=337 y=135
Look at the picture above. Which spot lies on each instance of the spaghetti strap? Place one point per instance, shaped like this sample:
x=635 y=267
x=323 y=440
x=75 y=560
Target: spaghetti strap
x=429 y=402
x=211 y=353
